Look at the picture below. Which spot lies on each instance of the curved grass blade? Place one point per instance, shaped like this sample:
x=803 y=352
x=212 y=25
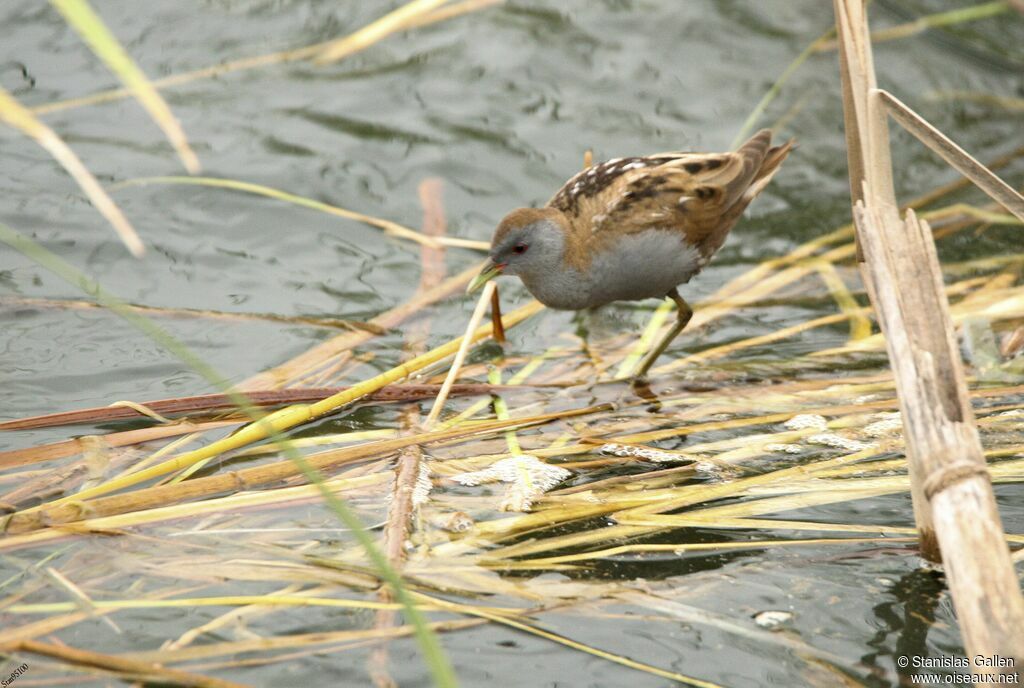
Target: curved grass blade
x=392 y=228
x=83 y=19
x=18 y=116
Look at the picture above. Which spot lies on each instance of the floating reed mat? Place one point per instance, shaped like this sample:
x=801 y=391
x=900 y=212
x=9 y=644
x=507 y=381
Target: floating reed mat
x=554 y=467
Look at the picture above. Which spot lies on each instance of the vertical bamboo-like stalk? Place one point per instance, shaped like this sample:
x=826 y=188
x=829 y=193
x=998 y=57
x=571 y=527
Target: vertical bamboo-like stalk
x=953 y=500
x=867 y=148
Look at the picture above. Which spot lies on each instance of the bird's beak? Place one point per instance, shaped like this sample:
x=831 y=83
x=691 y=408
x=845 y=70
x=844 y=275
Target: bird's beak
x=490 y=271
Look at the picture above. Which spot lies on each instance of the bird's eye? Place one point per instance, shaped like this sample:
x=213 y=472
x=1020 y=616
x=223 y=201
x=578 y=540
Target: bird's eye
x=519 y=248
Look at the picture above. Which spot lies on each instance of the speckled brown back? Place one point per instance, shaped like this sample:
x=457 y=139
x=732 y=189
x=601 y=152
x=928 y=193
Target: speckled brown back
x=700 y=195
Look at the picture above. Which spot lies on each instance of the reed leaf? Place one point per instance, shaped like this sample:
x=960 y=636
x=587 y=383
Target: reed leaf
x=80 y=15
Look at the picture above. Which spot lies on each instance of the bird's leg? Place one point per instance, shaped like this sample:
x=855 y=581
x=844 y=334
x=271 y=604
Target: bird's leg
x=683 y=315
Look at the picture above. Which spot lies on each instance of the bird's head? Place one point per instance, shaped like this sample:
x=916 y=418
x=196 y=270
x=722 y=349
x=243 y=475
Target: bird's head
x=528 y=241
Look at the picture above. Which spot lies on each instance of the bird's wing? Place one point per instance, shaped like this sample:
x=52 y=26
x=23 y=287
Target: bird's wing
x=698 y=194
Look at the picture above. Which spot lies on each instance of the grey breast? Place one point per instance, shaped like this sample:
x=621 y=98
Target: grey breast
x=643 y=265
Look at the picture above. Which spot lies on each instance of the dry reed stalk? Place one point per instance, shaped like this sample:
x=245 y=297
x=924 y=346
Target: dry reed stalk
x=963 y=182
x=957 y=158
x=78 y=507
x=953 y=500
x=375 y=31
x=11 y=635
x=1004 y=102
x=324 y=353
x=467 y=339
x=125 y=668
x=293 y=416
x=257 y=61
x=150 y=514
x=232 y=617
x=455 y=9
x=1007 y=471
x=389 y=227
x=528 y=627
x=216 y=601
x=409 y=465
x=930 y=21
x=298 y=640
x=624 y=506
x=76 y=304
x=396 y=535
x=435 y=226
x=498 y=334
x=91 y=28
x=58 y=450
x=18 y=116
x=217 y=402
x=712 y=353
x=688 y=547
x=860 y=324
x=97 y=460
x=992 y=304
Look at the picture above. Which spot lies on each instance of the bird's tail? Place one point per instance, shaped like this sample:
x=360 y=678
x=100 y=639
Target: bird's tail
x=761 y=161
x=759 y=149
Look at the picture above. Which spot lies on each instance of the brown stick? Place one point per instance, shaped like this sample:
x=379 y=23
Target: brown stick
x=499 y=328
x=953 y=499
x=407 y=470
x=215 y=402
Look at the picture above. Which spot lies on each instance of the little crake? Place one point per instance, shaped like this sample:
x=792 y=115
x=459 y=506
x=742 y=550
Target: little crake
x=632 y=228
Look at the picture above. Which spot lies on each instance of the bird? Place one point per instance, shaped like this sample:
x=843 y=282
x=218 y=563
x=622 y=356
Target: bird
x=632 y=228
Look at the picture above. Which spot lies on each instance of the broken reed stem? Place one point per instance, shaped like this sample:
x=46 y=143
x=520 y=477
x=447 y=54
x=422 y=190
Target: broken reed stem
x=498 y=334
x=952 y=492
x=396 y=534
x=942 y=442
x=409 y=465
x=959 y=159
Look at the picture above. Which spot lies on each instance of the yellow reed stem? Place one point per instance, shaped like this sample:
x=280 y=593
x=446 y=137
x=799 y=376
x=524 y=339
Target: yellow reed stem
x=292 y=416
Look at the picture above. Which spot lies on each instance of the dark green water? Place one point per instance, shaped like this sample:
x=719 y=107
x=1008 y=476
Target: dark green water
x=501 y=106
